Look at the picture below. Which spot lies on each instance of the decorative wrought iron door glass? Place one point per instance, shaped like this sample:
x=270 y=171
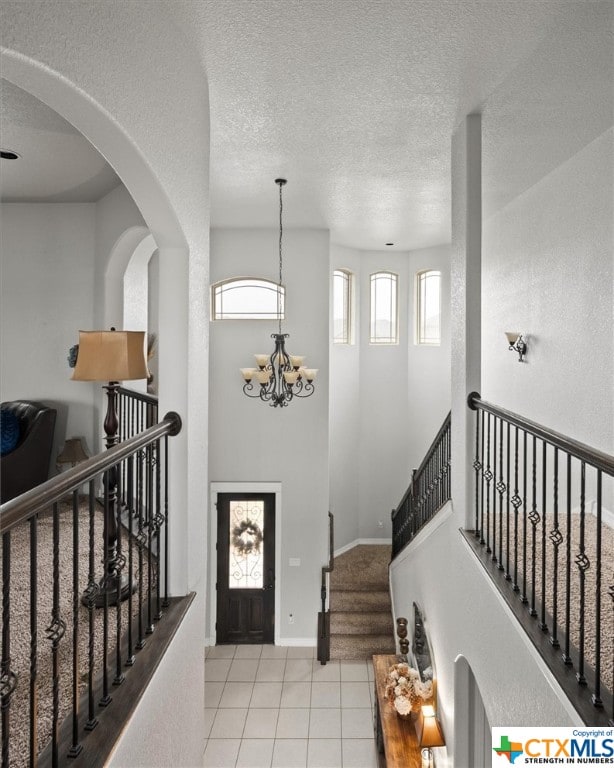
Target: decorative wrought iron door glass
x=246 y=529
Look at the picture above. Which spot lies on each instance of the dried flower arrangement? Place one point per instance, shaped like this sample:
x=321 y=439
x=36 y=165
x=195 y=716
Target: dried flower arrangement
x=405 y=690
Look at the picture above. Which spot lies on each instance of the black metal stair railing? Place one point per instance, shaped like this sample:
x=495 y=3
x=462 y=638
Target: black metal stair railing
x=540 y=530
x=428 y=491
x=81 y=672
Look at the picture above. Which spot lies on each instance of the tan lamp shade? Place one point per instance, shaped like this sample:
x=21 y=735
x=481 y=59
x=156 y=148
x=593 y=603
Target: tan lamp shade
x=111 y=356
x=429 y=731
x=73 y=452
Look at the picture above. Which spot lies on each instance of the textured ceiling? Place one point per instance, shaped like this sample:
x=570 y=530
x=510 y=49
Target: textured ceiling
x=355 y=102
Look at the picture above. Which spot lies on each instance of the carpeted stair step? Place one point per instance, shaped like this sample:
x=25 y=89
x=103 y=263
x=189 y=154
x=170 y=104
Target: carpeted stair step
x=360 y=646
x=359 y=600
x=361 y=623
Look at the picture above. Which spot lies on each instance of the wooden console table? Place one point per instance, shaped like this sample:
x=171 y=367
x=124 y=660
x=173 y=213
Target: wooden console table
x=396 y=739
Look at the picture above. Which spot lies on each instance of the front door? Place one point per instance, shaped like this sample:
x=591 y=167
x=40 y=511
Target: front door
x=245 y=568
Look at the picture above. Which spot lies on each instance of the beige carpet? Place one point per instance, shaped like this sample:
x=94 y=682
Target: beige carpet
x=20 y=623
x=360 y=608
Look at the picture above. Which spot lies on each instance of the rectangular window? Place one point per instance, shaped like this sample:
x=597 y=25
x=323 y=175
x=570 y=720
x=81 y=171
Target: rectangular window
x=428 y=307
x=342 y=307
x=384 y=327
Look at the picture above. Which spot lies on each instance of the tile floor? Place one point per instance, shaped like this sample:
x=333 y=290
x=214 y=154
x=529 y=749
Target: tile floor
x=278 y=707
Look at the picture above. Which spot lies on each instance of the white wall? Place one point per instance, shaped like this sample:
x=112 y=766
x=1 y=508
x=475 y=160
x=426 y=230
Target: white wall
x=344 y=410
x=387 y=402
x=428 y=381
x=251 y=441
x=548 y=271
x=47 y=295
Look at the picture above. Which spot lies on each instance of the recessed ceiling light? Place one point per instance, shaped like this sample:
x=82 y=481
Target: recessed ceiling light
x=389 y=243
x=8 y=154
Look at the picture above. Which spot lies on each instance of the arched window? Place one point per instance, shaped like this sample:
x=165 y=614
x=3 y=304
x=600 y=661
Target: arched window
x=428 y=307
x=343 y=309
x=384 y=327
x=247 y=298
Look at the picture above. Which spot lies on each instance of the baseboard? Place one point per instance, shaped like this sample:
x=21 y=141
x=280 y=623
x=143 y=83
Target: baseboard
x=300 y=642
x=356 y=542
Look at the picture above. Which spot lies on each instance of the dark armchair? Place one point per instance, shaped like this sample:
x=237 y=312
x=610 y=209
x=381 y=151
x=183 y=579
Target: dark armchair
x=27 y=465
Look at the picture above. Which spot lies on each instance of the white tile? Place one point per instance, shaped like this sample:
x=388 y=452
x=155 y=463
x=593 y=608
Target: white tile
x=267 y=695
x=354 y=671
x=248 y=652
x=359 y=753
x=221 y=651
x=326 y=673
x=274 y=652
x=325 y=724
x=216 y=670
x=255 y=753
x=356 y=724
x=261 y=724
x=298 y=670
x=324 y=753
x=213 y=693
x=355 y=694
x=301 y=652
x=209 y=718
x=296 y=695
x=271 y=670
x=326 y=695
x=292 y=724
x=243 y=670
x=221 y=753
x=290 y=753
x=236 y=695
x=228 y=724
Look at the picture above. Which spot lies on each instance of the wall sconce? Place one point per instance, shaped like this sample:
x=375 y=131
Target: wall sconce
x=516 y=344
x=429 y=735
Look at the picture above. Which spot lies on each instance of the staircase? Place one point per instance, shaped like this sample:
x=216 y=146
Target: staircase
x=360 y=607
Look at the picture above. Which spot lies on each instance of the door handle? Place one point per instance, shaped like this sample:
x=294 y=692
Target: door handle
x=271 y=583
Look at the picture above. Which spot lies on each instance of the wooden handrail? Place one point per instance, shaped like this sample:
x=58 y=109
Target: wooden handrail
x=23 y=507
x=597 y=459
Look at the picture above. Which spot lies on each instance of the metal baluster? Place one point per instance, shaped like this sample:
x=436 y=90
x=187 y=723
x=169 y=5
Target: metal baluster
x=8 y=679
x=33 y=640
x=140 y=539
x=566 y=657
x=583 y=564
x=494 y=490
x=516 y=503
x=482 y=540
x=150 y=500
x=165 y=601
x=55 y=632
x=524 y=597
x=534 y=520
x=488 y=478
x=106 y=697
x=508 y=576
x=120 y=562
x=556 y=538
x=501 y=489
x=90 y=600
x=75 y=747
x=596 y=698
x=159 y=522
x=130 y=476
x=542 y=624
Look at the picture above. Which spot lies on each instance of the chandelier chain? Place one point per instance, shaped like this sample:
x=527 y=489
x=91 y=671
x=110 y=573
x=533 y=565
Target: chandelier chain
x=281 y=207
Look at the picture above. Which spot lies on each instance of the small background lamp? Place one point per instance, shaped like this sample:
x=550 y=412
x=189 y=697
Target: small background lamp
x=111 y=356
x=429 y=735
x=516 y=344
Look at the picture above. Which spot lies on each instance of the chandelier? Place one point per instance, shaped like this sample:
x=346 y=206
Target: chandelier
x=280 y=376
